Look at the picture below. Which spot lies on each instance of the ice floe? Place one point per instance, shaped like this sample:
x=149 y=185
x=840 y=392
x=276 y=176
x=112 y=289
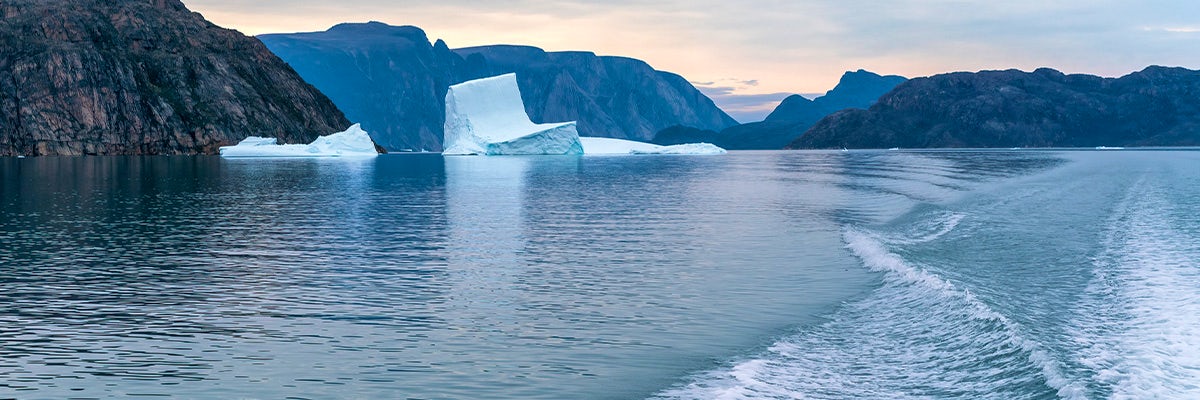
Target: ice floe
x=609 y=146
x=353 y=142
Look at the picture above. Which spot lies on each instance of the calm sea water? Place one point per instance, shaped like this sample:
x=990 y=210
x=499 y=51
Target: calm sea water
x=775 y=275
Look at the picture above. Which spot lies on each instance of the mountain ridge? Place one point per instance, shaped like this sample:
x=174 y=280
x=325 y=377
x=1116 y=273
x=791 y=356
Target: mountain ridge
x=143 y=77
x=398 y=91
x=1157 y=106
x=794 y=115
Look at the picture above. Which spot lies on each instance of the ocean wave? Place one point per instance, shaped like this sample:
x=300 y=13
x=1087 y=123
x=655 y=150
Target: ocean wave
x=930 y=229
x=877 y=257
x=917 y=336
x=1138 y=325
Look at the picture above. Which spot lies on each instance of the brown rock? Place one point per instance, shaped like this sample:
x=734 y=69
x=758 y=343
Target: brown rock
x=143 y=77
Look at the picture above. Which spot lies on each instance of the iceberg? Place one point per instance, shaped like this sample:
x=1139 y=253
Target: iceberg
x=609 y=146
x=487 y=117
x=353 y=142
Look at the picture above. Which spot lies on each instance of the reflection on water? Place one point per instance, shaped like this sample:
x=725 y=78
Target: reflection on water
x=424 y=276
x=1075 y=278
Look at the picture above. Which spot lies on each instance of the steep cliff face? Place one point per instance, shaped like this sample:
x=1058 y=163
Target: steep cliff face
x=1155 y=107
x=389 y=78
x=794 y=116
x=142 y=77
x=610 y=96
x=394 y=81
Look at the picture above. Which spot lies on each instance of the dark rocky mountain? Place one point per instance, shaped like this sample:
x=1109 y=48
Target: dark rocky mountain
x=1157 y=106
x=856 y=89
x=142 y=77
x=389 y=78
x=394 y=81
x=610 y=96
x=680 y=134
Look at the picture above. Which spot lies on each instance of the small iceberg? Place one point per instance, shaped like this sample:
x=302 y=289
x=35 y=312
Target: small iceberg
x=1109 y=148
x=487 y=117
x=353 y=142
x=609 y=146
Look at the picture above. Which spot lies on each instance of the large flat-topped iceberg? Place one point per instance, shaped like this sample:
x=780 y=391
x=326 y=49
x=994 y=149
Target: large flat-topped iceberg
x=487 y=117
x=609 y=146
x=353 y=142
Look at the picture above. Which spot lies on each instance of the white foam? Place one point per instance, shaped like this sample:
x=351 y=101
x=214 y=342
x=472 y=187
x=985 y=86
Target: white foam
x=876 y=257
x=1139 y=324
x=917 y=336
x=931 y=229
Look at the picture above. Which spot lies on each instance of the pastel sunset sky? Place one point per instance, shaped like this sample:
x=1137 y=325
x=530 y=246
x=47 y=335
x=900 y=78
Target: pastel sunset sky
x=747 y=55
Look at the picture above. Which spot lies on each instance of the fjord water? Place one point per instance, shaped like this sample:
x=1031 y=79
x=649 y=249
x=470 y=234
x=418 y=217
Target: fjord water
x=965 y=274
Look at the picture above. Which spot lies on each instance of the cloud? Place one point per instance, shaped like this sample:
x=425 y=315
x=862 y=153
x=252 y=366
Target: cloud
x=786 y=45
x=1180 y=29
x=729 y=94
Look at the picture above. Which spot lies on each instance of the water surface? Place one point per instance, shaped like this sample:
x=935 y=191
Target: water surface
x=962 y=274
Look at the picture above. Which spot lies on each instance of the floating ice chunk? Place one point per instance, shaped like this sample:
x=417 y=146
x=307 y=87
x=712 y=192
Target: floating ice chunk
x=353 y=142
x=486 y=117
x=595 y=145
x=609 y=146
x=688 y=148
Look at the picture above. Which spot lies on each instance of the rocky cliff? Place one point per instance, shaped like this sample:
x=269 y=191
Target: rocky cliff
x=614 y=97
x=794 y=116
x=389 y=78
x=1157 y=106
x=393 y=80
x=142 y=77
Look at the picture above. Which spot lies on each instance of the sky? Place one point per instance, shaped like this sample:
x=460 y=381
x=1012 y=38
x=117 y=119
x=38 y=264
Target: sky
x=747 y=55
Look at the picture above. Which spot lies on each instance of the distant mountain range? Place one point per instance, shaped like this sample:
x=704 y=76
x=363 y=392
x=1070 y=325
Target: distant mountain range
x=614 y=97
x=389 y=79
x=794 y=116
x=394 y=81
x=1157 y=106
x=151 y=77
x=143 y=77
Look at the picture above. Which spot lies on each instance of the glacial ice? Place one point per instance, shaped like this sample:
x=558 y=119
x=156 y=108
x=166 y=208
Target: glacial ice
x=609 y=146
x=353 y=142
x=595 y=145
x=487 y=117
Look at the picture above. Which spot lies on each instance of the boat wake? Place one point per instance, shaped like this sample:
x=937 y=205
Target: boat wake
x=918 y=335
x=1138 y=325
x=1044 y=288
x=928 y=230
